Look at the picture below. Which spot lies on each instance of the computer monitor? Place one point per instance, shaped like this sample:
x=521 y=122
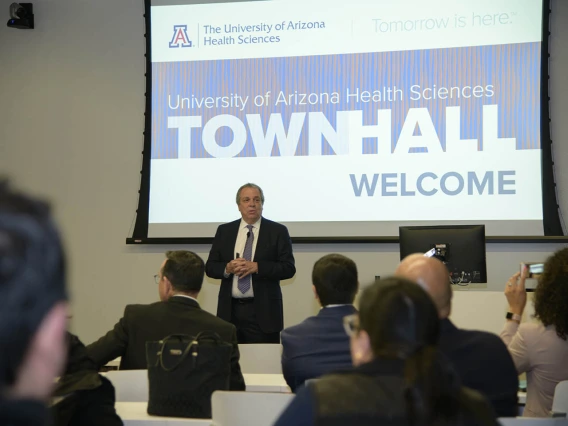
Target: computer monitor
x=460 y=247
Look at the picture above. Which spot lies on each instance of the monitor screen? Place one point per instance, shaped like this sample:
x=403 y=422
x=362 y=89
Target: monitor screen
x=461 y=248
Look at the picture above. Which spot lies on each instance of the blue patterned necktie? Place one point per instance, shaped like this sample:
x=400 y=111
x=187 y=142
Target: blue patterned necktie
x=244 y=283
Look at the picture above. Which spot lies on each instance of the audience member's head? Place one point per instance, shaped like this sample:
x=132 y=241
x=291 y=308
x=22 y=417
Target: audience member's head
x=551 y=294
x=181 y=273
x=33 y=309
x=433 y=276
x=398 y=320
x=334 y=279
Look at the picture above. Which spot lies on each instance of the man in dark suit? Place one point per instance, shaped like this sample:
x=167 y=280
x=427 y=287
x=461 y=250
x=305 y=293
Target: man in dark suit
x=250 y=256
x=178 y=312
x=319 y=344
x=480 y=359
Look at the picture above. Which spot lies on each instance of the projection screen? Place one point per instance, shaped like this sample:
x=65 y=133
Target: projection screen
x=354 y=117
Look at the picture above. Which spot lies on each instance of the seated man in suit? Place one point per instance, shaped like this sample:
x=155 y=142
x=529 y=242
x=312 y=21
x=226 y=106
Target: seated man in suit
x=178 y=312
x=320 y=344
x=481 y=359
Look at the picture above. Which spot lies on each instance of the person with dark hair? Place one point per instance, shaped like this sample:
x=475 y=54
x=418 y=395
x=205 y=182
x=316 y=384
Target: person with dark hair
x=178 y=312
x=399 y=378
x=250 y=256
x=33 y=308
x=480 y=359
x=319 y=345
x=540 y=349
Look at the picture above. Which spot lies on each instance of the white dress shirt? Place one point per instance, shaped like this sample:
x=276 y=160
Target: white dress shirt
x=240 y=248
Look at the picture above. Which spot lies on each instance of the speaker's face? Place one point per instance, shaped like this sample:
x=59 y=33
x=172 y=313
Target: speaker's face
x=250 y=205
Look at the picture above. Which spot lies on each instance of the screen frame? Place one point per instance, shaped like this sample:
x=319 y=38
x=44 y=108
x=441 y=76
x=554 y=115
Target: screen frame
x=552 y=226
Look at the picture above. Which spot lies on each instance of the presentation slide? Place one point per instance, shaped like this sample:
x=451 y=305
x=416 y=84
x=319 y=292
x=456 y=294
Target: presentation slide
x=354 y=117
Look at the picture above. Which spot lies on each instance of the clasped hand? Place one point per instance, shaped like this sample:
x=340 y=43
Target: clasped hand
x=242 y=267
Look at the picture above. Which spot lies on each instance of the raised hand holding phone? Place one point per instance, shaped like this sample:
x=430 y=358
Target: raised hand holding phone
x=515 y=292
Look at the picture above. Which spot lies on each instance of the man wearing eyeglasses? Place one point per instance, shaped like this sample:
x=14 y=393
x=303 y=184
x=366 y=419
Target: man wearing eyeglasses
x=320 y=344
x=178 y=312
x=250 y=256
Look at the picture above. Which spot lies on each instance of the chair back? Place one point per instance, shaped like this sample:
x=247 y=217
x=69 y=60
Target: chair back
x=248 y=408
x=129 y=385
x=261 y=358
x=560 y=401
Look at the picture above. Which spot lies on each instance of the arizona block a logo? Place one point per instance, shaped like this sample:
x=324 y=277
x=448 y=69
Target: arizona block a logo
x=180 y=38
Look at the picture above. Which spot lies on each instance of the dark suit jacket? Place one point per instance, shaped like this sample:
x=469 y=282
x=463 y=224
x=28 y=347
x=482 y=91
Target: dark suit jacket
x=372 y=394
x=88 y=397
x=316 y=346
x=143 y=323
x=483 y=363
x=275 y=262
x=23 y=412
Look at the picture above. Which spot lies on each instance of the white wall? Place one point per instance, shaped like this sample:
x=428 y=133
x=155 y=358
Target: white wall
x=71 y=122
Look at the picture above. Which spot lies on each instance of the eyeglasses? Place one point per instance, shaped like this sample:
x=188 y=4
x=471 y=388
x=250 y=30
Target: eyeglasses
x=157 y=278
x=351 y=324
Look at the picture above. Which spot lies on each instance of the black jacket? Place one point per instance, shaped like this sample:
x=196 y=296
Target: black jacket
x=275 y=262
x=23 y=413
x=376 y=394
x=88 y=398
x=373 y=394
x=143 y=323
x=484 y=364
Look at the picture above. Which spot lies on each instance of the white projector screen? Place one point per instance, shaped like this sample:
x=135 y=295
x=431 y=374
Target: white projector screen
x=354 y=117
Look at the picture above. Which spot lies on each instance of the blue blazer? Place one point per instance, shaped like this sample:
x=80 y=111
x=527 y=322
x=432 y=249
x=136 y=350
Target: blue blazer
x=316 y=346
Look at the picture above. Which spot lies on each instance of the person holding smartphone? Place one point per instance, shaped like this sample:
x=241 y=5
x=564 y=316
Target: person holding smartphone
x=540 y=349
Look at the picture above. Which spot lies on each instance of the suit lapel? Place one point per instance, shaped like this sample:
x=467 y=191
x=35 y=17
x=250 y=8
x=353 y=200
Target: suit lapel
x=262 y=237
x=232 y=232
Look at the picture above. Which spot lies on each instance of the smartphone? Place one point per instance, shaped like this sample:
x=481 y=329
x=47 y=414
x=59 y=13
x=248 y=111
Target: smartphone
x=430 y=252
x=535 y=269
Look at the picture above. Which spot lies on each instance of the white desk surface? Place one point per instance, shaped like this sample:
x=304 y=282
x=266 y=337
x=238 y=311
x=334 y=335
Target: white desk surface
x=273 y=383
x=266 y=383
x=135 y=414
